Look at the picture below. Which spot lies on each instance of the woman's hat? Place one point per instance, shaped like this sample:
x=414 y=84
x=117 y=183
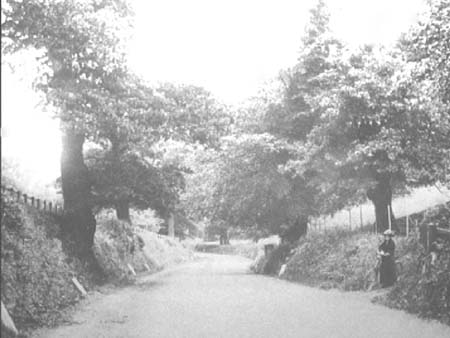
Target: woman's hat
x=388 y=233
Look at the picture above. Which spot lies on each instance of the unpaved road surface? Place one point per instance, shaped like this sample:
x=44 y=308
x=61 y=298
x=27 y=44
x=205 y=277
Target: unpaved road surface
x=214 y=296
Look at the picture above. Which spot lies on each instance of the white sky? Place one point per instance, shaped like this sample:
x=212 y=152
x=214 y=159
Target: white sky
x=229 y=47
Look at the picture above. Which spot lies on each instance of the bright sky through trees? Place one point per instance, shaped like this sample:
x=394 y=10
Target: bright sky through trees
x=229 y=47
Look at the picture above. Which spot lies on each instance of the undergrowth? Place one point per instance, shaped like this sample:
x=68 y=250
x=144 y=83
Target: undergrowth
x=337 y=259
x=36 y=272
x=38 y=267
x=115 y=246
x=163 y=251
x=423 y=288
x=345 y=260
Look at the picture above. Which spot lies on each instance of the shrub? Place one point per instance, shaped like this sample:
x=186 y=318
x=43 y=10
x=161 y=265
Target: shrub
x=163 y=251
x=115 y=246
x=322 y=259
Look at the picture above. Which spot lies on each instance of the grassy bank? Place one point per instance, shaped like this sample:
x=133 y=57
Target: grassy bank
x=38 y=267
x=36 y=271
x=338 y=259
x=346 y=261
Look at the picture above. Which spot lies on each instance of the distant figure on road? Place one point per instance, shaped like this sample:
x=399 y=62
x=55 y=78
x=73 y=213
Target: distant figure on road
x=387 y=268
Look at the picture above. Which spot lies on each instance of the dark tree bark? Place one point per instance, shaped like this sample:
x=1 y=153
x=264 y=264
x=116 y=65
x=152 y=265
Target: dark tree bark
x=79 y=218
x=223 y=236
x=171 y=225
x=298 y=229
x=381 y=197
x=123 y=210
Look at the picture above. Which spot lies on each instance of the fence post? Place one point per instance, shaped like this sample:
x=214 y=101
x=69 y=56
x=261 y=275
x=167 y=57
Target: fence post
x=50 y=206
x=18 y=195
x=431 y=236
x=32 y=201
x=360 y=216
x=38 y=203
x=389 y=217
x=25 y=198
x=407 y=225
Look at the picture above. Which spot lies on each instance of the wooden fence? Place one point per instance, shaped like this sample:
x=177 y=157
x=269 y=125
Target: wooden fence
x=406 y=225
x=50 y=207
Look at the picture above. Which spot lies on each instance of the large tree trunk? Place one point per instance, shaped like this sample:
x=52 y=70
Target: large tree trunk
x=171 y=225
x=223 y=236
x=80 y=221
x=381 y=197
x=123 y=211
x=298 y=229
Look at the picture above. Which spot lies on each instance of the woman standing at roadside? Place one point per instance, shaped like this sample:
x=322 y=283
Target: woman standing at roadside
x=387 y=268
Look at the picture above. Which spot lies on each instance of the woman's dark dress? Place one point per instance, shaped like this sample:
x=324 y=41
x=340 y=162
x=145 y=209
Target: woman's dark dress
x=387 y=268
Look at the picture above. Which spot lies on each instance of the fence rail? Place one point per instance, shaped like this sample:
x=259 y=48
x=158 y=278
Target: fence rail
x=442 y=232
x=47 y=206
x=428 y=233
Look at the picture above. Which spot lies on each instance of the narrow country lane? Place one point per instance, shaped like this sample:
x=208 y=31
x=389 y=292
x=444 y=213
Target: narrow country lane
x=214 y=296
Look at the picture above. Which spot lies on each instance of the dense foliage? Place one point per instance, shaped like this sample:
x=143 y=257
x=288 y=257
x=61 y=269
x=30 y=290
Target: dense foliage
x=342 y=126
x=97 y=98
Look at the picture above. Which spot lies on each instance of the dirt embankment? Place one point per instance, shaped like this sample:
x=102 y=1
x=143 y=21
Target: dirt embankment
x=38 y=267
